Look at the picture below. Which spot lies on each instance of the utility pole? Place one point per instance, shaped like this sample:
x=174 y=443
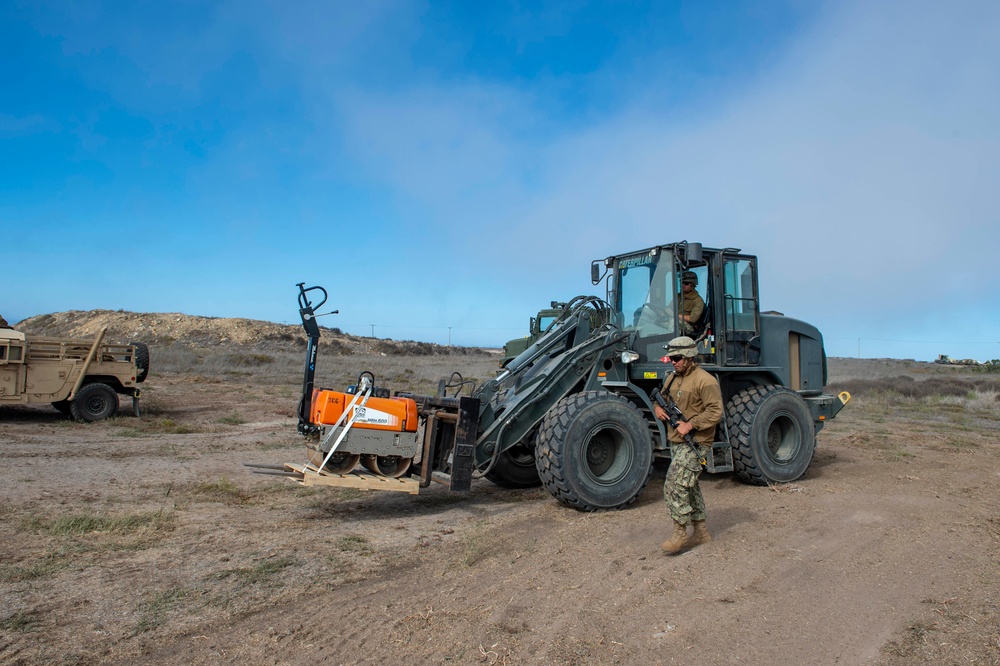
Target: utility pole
x=373 y=330
x=449 y=336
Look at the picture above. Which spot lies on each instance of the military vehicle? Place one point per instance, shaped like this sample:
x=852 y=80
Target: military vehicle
x=573 y=411
x=81 y=378
x=537 y=327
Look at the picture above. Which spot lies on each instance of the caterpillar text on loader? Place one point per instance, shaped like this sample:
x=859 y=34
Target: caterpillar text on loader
x=573 y=411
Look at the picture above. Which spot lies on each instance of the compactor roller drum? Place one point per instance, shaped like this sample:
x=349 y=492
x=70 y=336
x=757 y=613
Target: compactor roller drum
x=594 y=451
x=772 y=435
x=391 y=466
x=339 y=463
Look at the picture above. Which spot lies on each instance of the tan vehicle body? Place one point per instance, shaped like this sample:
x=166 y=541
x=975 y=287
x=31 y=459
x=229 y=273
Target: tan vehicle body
x=59 y=370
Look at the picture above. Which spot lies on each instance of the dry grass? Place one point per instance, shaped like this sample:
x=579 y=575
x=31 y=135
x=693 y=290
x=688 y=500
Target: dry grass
x=479 y=541
x=260 y=572
x=88 y=523
x=905 y=385
x=417 y=374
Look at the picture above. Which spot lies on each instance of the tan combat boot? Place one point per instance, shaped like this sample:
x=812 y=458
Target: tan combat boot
x=677 y=540
x=700 y=534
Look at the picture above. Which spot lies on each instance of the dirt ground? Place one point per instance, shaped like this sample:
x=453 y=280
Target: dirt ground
x=145 y=540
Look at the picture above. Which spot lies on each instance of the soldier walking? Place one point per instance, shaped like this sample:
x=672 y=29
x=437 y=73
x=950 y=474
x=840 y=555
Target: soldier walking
x=699 y=398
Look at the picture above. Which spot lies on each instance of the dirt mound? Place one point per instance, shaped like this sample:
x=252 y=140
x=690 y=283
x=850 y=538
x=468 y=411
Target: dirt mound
x=175 y=328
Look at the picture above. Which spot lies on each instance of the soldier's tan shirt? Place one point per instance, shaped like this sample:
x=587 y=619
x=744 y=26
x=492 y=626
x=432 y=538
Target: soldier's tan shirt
x=692 y=305
x=699 y=398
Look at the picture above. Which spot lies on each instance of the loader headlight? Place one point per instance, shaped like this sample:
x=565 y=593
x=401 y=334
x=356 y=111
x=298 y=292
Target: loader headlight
x=629 y=357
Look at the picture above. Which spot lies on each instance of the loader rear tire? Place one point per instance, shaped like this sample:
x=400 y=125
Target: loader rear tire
x=94 y=402
x=515 y=468
x=772 y=433
x=594 y=451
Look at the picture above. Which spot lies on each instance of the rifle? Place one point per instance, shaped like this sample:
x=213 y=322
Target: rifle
x=675 y=416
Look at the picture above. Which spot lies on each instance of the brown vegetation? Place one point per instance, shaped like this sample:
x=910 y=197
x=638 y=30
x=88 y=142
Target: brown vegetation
x=144 y=540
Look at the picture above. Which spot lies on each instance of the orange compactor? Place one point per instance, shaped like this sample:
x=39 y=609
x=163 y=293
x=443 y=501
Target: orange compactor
x=381 y=431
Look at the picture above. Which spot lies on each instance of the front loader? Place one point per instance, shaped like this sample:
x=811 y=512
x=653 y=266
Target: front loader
x=573 y=411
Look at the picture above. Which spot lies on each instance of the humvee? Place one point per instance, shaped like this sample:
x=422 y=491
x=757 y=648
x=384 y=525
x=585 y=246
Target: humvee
x=81 y=378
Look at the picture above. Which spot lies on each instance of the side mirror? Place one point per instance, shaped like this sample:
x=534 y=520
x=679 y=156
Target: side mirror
x=692 y=254
x=595 y=272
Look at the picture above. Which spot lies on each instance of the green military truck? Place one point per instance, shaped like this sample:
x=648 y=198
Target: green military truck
x=537 y=327
x=81 y=378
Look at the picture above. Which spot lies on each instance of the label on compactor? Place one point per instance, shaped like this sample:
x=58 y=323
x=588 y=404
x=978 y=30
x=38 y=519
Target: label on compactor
x=374 y=417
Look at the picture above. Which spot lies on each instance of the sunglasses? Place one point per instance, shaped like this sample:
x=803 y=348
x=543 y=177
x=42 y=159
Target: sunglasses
x=674 y=359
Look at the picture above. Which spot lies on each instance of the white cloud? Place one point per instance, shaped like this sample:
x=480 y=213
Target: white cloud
x=862 y=169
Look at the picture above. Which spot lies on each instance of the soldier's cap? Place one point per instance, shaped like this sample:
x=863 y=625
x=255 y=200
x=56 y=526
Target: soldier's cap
x=682 y=346
x=689 y=276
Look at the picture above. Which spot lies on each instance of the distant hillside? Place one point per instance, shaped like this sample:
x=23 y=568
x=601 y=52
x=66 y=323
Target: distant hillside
x=190 y=330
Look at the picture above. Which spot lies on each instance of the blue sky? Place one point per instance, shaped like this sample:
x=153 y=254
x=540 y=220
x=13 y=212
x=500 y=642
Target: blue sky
x=458 y=164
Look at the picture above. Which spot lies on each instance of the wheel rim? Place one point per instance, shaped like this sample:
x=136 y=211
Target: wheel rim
x=784 y=437
x=96 y=404
x=606 y=456
x=521 y=456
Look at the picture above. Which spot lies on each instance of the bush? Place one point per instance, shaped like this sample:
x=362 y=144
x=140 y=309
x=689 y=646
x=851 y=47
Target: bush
x=911 y=388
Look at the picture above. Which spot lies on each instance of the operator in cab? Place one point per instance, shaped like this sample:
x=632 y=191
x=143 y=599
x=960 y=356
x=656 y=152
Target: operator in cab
x=692 y=304
x=698 y=396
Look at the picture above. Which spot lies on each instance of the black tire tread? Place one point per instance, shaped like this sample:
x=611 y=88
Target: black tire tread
x=740 y=413
x=506 y=475
x=78 y=408
x=141 y=361
x=549 y=452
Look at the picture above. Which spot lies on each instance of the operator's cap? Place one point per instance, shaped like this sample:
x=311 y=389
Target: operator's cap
x=689 y=276
x=682 y=346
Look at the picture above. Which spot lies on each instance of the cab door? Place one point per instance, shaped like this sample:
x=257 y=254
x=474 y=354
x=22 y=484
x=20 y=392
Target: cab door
x=740 y=328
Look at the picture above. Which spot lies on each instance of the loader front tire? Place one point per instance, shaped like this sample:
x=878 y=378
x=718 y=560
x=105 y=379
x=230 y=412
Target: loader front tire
x=594 y=451
x=94 y=402
x=772 y=435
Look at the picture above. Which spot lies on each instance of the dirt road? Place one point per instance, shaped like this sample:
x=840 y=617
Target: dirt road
x=145 y=540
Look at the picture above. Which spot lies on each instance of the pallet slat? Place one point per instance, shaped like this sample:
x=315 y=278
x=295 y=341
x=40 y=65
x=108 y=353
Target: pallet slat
x=311 y=476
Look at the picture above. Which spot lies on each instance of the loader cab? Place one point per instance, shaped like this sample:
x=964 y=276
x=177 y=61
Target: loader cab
x=645 y=290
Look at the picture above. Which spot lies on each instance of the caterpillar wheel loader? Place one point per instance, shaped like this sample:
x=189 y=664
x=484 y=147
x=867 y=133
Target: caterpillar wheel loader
x=573 y=411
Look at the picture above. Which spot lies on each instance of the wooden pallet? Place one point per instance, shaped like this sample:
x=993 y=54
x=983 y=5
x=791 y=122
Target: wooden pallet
x=309 y=475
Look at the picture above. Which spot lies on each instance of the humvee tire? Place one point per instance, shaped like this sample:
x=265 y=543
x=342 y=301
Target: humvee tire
x=141 y=361
x=94 y=402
